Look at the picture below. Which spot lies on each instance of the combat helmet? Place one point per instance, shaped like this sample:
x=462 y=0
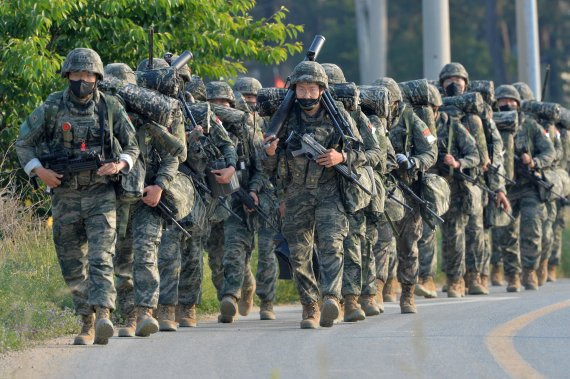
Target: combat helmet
x=453 y=69
x=524 y=91
x=507 y=91
x=220 y=90
x=82 y=59
x=247 y=85
x=309 y=72
x=334 y=73
x=121 y=71
x=156 y=63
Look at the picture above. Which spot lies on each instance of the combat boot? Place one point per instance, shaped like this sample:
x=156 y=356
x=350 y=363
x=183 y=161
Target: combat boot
x=389 y=292
x=245 y=303
x=552 y=273
x=430 y=286
x=311 y=314
x=166 y=318
x=130 y=326
x=420 y=290
x=228 y=309
x=514 y=283
x=187 y=316
x=474 y=285
x=146 y=323
x=369 y=305
x=529 y=279
x=266 y=310
x=103 y=326
x=454 y=287
x=379 y=294
x=542 y=272
x=485 y=282
x=352 y=310
x=407 y=304
x=330 y=311
x=497 y=276
x=87 y=334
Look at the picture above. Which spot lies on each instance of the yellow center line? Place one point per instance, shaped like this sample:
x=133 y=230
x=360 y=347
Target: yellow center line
x=500 y=342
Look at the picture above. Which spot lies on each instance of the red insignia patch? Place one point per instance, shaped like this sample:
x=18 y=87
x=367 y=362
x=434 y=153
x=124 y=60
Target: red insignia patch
x=83 y=146
x=426 y=132
x=66 y=127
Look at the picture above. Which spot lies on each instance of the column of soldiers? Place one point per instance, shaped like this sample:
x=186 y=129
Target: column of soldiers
x=487 y=167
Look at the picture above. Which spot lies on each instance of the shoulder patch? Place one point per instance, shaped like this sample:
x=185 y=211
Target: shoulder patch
x=429 y=137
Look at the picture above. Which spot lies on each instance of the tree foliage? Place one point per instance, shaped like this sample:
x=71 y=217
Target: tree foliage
x=36 y=35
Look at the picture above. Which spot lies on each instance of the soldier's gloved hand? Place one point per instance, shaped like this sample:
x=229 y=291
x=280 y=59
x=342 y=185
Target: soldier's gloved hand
x=404 y=161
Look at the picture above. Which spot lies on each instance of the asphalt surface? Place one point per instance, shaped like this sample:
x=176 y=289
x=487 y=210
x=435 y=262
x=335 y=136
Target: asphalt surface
x=447 y=338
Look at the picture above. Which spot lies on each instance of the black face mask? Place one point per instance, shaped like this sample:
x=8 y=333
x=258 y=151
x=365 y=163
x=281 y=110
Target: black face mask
x=452 y=90
x=308 y=104
x=81 y=88
x=506 y=108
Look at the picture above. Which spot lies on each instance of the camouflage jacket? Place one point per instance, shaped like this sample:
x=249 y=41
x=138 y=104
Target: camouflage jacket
x=412 y=137
x=63 y=125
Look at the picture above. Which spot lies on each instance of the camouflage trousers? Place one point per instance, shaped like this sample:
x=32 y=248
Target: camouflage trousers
x=147 y=227
x=84 y=235
x=427 y=252
x=488 y=251
x=239 y=238
x=453 y=238
x=557 y=229
x=520 y=242
x=385 y=252
x=548 y=231
x=475 y=244
x=215 y=248
x=410 y=229
x=368 y=259
x=353 y=243
x=266 y=275
x=123 y=260
x=320 y=211
x=180 y=263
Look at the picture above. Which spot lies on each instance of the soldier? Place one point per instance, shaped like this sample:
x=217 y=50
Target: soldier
x=313 y=202
x=75 y=122
x=355 y=243
x=266 y=275
x=454 y=80
x=427 y=245
x=521 y=240
x=239 y=234
x=415 y=153
x=180 y=258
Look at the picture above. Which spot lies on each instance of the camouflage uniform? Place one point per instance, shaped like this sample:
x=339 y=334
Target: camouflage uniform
x=181 y=259
x=313 y=202
x=83 y=206
x=559 y=222
x=521 y=240
x=464 y=150
x=266 y=275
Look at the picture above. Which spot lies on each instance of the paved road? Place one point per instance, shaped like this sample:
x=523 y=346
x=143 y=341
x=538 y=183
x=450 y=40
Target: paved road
x=500 y=335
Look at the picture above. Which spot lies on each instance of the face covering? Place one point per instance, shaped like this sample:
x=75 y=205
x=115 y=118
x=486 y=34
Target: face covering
x=506 y=108
x=452 y=90
x=308 y=104
x=81 y=88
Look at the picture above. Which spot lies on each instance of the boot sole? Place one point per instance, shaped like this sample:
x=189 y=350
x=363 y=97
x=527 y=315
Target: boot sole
x=103 y=331
x=354 y=316
x=167 y=326
x=267 y=316
x=421 y=291
x=329 y=314
x=309 y=325
x=183 y=323
x=244 y=308
x=408 y=309
x=371 y=312
x=80 y=341
x=124 y=332
x=513 y=289
x=228 y=308
x=147 y=328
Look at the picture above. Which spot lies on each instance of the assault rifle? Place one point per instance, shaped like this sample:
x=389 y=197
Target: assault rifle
x=245 y=198
x=423 y=204
x=62 y=163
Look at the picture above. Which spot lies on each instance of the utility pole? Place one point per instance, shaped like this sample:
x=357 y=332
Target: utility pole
x=527 y=44
x=372 y=31
x=436 y=40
